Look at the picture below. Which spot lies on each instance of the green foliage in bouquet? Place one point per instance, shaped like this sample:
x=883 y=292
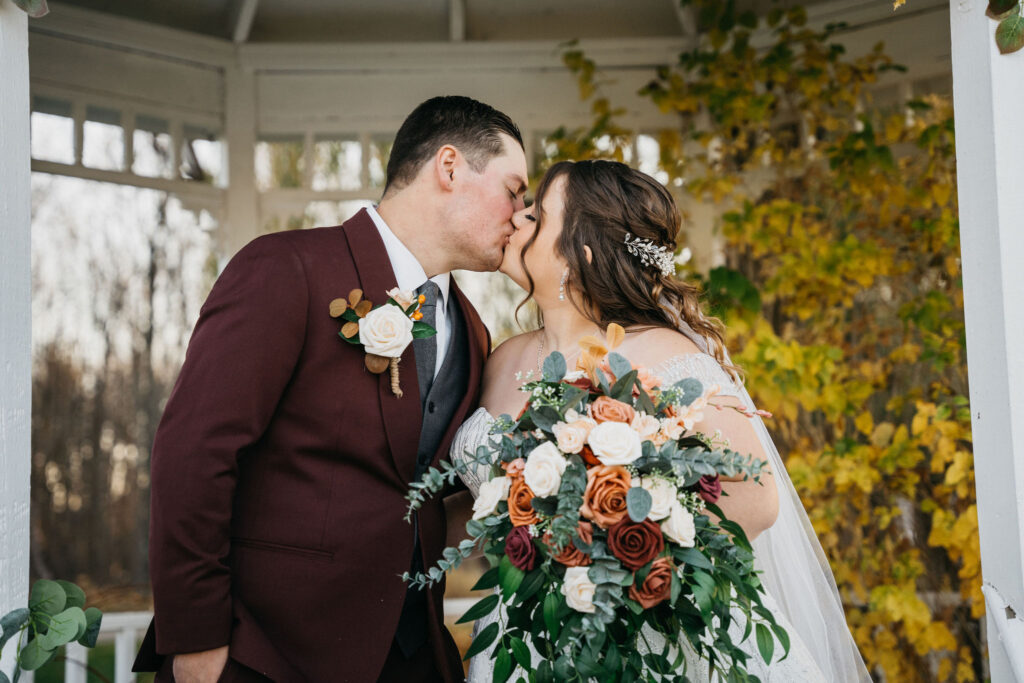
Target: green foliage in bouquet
x=584 y=576
x=55 y=616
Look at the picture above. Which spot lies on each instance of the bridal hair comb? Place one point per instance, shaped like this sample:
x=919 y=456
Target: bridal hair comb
x=651 y=255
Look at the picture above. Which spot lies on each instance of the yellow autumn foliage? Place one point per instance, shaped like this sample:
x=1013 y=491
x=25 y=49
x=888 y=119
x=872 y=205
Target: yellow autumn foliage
x=843 y=304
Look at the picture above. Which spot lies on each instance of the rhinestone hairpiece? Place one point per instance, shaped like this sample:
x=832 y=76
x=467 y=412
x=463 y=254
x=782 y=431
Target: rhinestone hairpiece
x=651 y=255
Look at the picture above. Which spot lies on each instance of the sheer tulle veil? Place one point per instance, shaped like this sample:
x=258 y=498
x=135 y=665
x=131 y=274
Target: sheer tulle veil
x=796 y=571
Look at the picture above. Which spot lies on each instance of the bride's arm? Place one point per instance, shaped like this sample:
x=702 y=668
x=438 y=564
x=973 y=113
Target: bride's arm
x=752 y=505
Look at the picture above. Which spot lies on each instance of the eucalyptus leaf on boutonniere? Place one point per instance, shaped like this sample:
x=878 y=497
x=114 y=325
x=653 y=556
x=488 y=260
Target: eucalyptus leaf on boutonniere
x=384 y=332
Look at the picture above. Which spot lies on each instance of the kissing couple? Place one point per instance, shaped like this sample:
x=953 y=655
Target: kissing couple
x=285 y=452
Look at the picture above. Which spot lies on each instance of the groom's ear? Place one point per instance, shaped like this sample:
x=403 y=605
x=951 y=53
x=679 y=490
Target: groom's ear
x=588 y=253
x=445 y=161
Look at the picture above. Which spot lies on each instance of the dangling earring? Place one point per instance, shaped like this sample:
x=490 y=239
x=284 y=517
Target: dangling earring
x=561 y=285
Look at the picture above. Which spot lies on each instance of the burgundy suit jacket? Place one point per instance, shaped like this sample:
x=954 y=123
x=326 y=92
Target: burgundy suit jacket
x=280 y=468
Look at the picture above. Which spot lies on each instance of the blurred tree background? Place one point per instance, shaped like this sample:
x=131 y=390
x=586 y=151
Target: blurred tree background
x=842 y=296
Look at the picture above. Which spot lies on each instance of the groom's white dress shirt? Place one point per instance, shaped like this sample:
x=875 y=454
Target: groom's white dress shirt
x=410 y=275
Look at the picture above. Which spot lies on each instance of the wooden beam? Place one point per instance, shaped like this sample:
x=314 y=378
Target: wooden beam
x=988 y=100
x=243 y=12
x=457 y=20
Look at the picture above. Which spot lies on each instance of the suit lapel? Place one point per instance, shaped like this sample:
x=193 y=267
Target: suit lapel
x=402 y=416
x=477 y=354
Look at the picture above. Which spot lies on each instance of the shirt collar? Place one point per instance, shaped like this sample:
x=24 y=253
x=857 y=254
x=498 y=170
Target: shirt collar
x=408 y=271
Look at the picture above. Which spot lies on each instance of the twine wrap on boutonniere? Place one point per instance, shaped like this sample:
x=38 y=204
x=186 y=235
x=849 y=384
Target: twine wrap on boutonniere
x=384 y=332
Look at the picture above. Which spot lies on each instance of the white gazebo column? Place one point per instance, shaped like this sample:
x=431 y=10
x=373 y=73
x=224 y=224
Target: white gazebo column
x=242 y=221
x=989 y=102
x=15 y=314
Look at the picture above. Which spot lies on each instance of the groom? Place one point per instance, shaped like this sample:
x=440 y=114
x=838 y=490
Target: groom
x=281 y=464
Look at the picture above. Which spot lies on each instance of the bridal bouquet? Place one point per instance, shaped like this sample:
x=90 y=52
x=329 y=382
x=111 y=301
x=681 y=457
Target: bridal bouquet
x=595 y=525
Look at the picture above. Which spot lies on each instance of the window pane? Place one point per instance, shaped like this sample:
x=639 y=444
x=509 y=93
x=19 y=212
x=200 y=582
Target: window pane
x=337 y=164
x=380 y=151
x=279 y=163
x=53 y=138
x=151 y=143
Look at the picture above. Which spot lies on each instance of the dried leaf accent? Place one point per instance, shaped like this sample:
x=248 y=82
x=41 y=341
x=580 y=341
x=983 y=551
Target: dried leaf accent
x=350 y=330
x=338 y=306
x=363 y=308
x=354 y=297
x=615 y=336
x=377 y=364
x=594 y=349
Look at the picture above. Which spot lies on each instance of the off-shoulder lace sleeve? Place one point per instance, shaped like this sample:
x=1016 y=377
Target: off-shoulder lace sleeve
x=700 y=366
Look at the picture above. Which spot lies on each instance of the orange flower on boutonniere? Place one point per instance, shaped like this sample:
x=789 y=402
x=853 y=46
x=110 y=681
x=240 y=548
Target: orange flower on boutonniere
x=384 y=332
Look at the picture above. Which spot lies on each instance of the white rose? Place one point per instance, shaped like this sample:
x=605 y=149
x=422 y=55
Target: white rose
x=679 y=526
x=578 y=589
x=663 y=496
x=404 y=298
x=385 y=331
x=646 y=425
x=491 y=493
x=570 y=438
x=544 y=469
x=615 y=443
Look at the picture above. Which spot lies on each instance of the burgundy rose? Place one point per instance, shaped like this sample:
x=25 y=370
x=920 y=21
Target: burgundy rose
x=710 y=488
x=520 y=549
x=635 y=544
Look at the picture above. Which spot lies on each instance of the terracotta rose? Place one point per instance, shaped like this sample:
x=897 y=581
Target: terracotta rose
x=656 y=587
x=571 y=556
x=520 y=511
x=604 y=500
x=635 y=544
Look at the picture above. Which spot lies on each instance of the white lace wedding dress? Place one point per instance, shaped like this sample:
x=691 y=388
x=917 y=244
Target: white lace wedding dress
x=800 y=665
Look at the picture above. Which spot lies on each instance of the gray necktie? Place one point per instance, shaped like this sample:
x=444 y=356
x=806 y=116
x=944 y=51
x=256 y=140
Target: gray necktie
x=426 y=348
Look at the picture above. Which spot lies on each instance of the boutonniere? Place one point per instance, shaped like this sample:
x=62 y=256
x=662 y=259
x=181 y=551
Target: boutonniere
x=384 y=332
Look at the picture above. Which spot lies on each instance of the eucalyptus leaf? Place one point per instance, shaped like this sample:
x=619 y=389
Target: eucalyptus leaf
x=482 y=641
x=4 y=678
x=75 y=595
x=64 y=627
x=480 y=609
x=619 y=365
x=93 y=620
x=638 y=503
x=1010 y=34
x=11 y=623
x=34 y=655
x=554 y=367
x=47 y=597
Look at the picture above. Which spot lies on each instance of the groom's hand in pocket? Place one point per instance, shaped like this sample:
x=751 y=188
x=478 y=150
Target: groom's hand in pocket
x=200 y=667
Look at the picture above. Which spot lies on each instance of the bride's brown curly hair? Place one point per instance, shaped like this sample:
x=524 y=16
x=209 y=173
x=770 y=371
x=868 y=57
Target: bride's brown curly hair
x=605 y=200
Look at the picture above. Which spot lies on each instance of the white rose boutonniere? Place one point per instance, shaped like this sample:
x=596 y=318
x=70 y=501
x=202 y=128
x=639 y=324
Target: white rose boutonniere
x=384 y=332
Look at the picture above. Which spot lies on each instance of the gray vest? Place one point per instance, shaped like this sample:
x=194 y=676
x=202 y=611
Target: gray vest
x=439 y=405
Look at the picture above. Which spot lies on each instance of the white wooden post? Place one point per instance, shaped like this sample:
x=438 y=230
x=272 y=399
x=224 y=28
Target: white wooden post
x=989 y=103
x=15 y=315
x=242 y=221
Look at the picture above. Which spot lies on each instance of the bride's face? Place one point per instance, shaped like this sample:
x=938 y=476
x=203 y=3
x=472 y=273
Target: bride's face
x=542 y=259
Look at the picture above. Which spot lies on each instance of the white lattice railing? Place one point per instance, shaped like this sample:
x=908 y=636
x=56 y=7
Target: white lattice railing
x=125 y=630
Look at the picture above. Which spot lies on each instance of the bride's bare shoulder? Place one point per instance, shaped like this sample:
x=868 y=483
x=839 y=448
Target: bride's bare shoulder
x=656 y=345
x=509 y=354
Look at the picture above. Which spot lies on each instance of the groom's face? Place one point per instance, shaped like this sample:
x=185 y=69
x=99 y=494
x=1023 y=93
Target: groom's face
x=481 y=213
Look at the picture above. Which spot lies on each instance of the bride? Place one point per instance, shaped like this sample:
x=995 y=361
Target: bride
x=576 y=253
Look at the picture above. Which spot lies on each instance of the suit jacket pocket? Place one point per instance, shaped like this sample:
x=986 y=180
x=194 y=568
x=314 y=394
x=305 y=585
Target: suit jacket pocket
x=256 y=544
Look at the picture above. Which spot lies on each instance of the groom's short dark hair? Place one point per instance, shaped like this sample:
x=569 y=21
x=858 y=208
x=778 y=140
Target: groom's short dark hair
x=474 y=128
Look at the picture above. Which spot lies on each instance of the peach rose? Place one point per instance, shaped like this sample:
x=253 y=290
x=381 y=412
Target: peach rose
x=604 y=500
x=646 y=425
x=571 y=556
x=515 y=467
x=605 y=409
x=648 y=380
x=520 y=512
x=656 y=587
